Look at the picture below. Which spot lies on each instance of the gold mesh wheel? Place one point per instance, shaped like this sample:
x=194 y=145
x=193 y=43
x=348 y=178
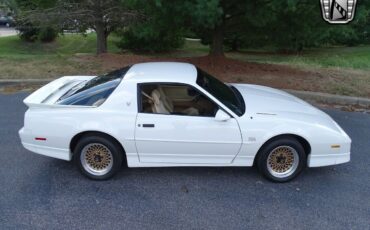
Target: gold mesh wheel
x=282 y=161
x=96 y=159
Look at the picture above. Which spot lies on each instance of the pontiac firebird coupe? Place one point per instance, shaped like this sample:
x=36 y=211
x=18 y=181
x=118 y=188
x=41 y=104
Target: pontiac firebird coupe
x=174 y=114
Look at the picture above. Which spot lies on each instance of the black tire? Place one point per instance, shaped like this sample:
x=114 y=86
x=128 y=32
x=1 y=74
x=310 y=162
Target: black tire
x=116 y=154
x=264 y=153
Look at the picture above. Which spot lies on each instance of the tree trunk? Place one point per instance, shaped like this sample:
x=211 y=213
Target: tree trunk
x=217 y=48
x=101 y=39
x=235 y=45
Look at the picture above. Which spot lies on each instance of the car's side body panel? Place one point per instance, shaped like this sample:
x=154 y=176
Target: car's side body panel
x=59 y=124
x=286 y=114
x=57 y=127
x=186 y=139
x=260 y=128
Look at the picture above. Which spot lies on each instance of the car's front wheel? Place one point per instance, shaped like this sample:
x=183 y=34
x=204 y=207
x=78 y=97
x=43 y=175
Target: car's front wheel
x=281 y=160
x=98 y=157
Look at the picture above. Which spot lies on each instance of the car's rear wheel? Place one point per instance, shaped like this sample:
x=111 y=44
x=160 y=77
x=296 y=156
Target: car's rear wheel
x=281 y=160
x=98 y=157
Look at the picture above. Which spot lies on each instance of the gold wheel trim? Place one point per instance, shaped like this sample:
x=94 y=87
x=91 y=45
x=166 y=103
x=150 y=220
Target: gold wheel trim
x=97 y=159
x=282 y=161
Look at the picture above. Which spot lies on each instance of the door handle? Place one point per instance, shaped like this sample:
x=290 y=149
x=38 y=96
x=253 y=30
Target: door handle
x=148 y=125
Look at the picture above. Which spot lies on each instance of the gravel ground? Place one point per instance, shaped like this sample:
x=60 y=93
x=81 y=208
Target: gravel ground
x=43 y=193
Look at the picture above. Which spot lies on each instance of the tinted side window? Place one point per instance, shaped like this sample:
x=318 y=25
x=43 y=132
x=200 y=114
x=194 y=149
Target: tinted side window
x=175 y=99
x=229 y=96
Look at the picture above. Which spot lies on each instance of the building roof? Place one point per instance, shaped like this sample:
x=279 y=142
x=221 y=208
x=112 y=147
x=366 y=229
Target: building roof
x=162 y=72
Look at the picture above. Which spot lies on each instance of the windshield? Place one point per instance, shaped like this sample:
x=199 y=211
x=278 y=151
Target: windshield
x=95 y=91
x=228 y=95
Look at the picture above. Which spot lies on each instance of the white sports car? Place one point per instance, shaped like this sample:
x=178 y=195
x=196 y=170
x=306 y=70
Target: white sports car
x=174 y=114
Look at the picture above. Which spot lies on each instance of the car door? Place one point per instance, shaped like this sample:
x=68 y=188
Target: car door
x=185 y=139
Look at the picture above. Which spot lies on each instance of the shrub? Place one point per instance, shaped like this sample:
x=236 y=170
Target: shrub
x=47 y=34
x=28 y=32
x=31 y=33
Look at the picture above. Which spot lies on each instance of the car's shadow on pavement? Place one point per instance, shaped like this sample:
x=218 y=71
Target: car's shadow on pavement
x=156 y=176
x=68 y=167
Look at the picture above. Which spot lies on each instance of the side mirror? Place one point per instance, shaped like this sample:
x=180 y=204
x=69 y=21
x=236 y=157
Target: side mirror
x=222 y=116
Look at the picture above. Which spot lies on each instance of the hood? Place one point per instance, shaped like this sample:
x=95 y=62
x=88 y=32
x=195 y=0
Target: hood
x=262 y=99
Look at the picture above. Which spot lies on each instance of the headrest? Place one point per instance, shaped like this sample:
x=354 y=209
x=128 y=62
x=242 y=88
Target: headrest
x=156 y=96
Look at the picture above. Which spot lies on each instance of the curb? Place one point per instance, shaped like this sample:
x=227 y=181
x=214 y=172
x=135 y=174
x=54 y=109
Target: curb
x=330 y=98
x=305 y=95
x=15 y=81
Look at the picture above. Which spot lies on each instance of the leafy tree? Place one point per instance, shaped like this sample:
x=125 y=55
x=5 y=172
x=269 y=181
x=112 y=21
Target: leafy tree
x=104 y=16
x=355 y=33
x=29 y=26
x=8 y=7
x=217 y=21
x=289 y=25
x=162 y=30
x=295 y=25
x=299 y=24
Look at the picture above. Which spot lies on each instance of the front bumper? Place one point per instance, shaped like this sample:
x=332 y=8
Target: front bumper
x=328 y=159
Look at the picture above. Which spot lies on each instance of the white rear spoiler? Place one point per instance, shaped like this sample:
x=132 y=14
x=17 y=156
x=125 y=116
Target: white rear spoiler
x=47 y=95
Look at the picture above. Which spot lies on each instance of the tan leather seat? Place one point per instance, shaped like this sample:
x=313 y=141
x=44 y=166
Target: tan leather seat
x=166 y=101
x=163 y=104
x=158 y=105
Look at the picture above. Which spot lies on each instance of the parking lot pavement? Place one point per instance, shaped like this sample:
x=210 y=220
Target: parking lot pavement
x=4 y=31
x=38 y=192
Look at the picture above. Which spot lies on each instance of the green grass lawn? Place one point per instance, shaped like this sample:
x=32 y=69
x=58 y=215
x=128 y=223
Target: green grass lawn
x=338 y=57
x=20 y=59
x=74 y=54
x=341 y=57
x=12 y=47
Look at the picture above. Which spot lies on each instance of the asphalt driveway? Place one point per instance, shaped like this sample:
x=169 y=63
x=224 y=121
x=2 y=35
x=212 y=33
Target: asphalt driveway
x=38 y=192
x=5 y=32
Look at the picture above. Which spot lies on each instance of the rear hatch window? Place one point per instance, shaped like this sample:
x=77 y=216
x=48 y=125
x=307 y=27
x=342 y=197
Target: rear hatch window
x=95 y=91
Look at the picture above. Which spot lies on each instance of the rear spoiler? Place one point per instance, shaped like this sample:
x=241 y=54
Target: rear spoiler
x=47 y=95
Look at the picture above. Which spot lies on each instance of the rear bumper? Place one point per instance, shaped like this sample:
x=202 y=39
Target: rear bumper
x=328 y=159
x=29 y=143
